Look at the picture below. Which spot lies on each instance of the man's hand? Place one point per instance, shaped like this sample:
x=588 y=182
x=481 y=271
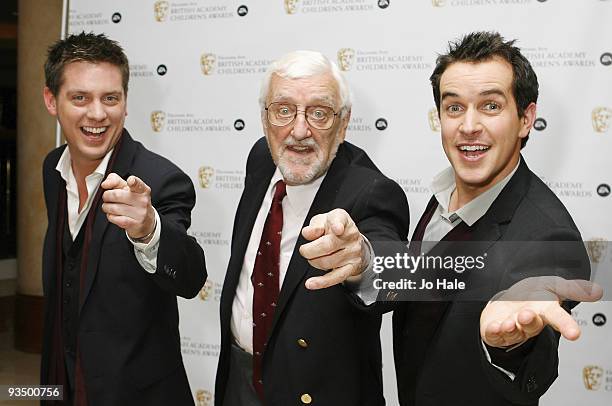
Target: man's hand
x=128 y=205
x=336 y=246
x=528 y=306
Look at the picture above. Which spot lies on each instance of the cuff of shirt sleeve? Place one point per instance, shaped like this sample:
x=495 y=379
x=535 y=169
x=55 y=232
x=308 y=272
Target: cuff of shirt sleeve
x=154 y=240
x=146 y=253
x=362 y=285
x=488 y=356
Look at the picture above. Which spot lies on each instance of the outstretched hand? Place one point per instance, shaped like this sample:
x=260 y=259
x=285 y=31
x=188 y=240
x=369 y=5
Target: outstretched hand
x=528 y=306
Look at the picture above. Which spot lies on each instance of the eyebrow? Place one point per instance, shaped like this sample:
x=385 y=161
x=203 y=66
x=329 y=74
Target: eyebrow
x=483 y=93
x=448 y=94
x=313 y=102
x=76 y=90
x=493 y=92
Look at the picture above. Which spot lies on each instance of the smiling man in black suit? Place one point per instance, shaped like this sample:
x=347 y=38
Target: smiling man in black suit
x=282 y=344
x=116 y=252
x=458 y=352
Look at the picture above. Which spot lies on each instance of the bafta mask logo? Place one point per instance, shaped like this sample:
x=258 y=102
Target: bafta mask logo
x=346 y=57
x=438 y=3
x=601 y=119
x=291 y=6
x=596 y=248
x=434 y=120
x=204 y=398
x=592 y=376
x=161 y=10
x=207 y=290
x=208 y=63
x=158 y=118
x=205 y=174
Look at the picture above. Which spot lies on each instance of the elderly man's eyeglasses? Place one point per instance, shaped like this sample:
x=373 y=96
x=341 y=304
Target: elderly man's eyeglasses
x=319 y=117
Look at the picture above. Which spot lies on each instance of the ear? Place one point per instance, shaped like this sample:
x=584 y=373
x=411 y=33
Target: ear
x=50 y=101
x=529 y=116
x=344 y=125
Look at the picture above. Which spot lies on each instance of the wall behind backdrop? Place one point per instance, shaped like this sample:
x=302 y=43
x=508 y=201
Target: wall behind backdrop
x=196 y=67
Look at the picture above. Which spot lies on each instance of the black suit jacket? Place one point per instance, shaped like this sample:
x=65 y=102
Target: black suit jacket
x=128 y=321
x=342 y=362
x=438 y=354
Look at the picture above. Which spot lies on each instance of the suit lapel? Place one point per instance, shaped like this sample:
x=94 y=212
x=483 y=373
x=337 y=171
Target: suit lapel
x=121 y=167
x=55 y=186
x=255 y=188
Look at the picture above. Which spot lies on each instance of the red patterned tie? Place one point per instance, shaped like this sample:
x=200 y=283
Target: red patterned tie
x=265 y=282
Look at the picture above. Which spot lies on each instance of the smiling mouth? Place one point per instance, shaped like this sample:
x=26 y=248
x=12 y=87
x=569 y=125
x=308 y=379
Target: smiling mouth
x=300 y=149
x=94 y=131
x=473 y=151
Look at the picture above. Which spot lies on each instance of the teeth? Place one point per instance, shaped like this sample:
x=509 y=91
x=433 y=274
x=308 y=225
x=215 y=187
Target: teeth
x=95 y=130
x=473 y=148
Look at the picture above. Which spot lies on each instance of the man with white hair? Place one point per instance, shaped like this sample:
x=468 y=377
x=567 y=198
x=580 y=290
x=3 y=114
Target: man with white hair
x=282 y=343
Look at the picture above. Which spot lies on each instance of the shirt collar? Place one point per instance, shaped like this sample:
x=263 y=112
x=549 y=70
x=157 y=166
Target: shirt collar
x=443 y=186
x=300 y=197
x=64 y=166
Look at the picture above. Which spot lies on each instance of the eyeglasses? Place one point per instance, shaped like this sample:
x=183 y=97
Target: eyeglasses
x=319 y=117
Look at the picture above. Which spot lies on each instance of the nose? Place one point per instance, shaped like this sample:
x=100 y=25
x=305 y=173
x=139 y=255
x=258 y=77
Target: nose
x=300 y=129
x=471 y=122
x=96 y=111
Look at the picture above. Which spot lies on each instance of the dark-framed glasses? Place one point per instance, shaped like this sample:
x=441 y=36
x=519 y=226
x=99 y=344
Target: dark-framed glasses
x=319 y=117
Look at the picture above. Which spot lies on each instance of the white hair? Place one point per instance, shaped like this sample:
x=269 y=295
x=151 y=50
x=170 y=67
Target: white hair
x=303 y=64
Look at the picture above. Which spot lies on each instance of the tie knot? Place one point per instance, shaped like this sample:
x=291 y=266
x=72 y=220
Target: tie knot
x=280 y=192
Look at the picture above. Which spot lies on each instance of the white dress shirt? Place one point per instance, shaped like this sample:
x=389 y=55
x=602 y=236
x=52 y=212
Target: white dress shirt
x=441 y=223
x=295 y=209
x=146 y=254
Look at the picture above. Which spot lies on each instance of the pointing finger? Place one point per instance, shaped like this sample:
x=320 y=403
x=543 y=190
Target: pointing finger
x=113 y=181
x=316 y=227
x=136 y=184
x=338 y=220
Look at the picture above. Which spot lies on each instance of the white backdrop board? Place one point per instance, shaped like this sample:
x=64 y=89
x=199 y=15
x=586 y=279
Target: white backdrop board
x=196 y=67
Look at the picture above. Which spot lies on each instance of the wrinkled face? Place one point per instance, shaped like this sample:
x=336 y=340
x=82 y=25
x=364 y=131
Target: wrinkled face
x=481 y=130
x=303 y=153
x=91 y=108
